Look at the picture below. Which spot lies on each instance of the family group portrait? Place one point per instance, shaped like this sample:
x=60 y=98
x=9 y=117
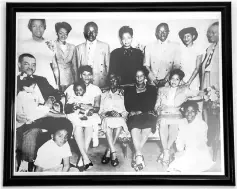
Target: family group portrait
x=118 y=93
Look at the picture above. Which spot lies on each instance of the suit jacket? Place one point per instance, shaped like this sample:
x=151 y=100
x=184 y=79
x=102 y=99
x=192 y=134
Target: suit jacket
x=161 y=58
x=45 y=88
x=100 y=61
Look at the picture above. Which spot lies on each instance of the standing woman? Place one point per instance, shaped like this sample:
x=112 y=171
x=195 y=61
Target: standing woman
x=64 y=67
x=140 y=100
x=191 y=57
x=126 y=60
x=37 y=46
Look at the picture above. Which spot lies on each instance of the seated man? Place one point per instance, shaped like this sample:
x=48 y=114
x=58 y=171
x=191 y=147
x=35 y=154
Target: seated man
x=27 y=134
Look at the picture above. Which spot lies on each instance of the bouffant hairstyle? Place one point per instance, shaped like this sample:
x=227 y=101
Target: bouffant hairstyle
x=178 y=72
x=93 y=24
x=31 y=21
x=64 y=25
x=189 y=103
x=144 y=70
x=86 y=68
x=81 y=83
x=125 y=29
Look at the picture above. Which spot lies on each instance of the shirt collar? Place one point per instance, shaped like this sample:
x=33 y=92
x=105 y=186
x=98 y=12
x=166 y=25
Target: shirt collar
x=91 y=43
x=162 y=43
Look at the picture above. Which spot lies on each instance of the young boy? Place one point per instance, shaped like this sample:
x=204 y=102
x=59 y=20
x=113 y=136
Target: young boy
x=54 y=155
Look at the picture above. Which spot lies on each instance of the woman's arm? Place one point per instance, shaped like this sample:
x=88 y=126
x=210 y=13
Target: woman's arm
x=66 y=164
x=96 y=107
x=56 y=71
x=196 y=70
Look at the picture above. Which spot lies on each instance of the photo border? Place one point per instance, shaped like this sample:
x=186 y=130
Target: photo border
x=228 y=128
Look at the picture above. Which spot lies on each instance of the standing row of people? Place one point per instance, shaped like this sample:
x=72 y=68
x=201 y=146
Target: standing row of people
x=61 y=60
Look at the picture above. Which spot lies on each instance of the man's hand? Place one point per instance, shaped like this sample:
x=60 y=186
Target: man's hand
x=162 y=82
x=21 y=118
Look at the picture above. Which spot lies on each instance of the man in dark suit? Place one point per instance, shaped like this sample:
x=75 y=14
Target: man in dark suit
x=27 y=135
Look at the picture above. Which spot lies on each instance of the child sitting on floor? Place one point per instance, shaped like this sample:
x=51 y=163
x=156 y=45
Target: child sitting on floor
x=54 y=155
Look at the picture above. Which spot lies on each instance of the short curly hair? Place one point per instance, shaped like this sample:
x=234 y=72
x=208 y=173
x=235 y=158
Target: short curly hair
x=93 y=24
x=178 y=72
x=64 y=25
x=189 y=103
x=32 y=20
x=125 y=29
x=81 y=83
x=86 y=68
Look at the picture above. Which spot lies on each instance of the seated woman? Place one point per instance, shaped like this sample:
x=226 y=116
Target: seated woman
x=84 y=129
x=193 y=154
x=139 y=102
x=113 y=115
x=168 y=103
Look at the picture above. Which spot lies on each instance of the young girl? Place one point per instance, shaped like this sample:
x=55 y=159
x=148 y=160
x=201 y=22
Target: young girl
x=56 y=150
x=167 y=107
x=77 y=108
x=193 y=154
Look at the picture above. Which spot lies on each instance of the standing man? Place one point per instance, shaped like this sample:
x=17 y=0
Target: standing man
x=161 y=56
x=210 y=66
x=210 y=77
x=94 y=53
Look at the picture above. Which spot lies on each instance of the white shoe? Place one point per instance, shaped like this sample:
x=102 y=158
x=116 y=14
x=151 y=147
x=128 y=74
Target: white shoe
x=23 y=166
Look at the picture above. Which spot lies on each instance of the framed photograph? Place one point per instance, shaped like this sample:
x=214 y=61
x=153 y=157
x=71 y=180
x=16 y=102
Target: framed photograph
x=118 y=94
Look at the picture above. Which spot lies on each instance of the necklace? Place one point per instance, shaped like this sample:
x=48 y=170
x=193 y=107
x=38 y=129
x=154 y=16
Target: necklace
x=141 y=89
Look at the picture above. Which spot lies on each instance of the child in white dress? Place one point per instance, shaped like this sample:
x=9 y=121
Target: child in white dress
x=193 y=154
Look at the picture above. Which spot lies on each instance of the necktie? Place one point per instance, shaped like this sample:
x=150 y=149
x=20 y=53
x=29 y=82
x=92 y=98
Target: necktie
x=210 y=55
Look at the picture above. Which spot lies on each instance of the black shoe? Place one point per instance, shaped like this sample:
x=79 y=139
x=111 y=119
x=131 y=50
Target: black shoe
x=88 y=166
x=105 y=159
x=114 y=162
x=31 y=167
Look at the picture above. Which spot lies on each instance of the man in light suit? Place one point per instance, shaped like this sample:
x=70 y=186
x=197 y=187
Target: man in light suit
x=94 y=53
x=161 y=56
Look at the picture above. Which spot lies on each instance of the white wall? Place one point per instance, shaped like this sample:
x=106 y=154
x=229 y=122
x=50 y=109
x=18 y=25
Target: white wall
x=109 y=24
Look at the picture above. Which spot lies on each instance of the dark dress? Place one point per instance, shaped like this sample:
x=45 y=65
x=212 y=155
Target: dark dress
x=143 y=102
x=125 y=63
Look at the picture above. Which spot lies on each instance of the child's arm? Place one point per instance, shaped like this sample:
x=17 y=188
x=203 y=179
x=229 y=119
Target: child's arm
x=66 y=164
x=39 y=169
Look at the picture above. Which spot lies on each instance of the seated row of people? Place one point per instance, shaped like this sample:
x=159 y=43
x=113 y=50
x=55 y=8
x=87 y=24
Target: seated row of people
x=135 y=111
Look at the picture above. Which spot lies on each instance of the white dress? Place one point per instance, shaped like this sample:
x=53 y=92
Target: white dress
x=113 y=101
x=43 y=55
x=188 y=64
x=88 y=98
x=193 y=154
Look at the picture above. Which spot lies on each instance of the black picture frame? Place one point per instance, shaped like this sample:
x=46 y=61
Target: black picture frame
x=228 y=128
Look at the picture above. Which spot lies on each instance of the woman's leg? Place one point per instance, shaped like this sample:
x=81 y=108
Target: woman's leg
x=88 y=137
x=136 y=137
x=164 y=140
x=173 y=132
x=145 y=134
x=80 y=140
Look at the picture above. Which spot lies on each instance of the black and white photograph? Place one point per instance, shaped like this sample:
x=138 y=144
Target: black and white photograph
x=118 y=93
